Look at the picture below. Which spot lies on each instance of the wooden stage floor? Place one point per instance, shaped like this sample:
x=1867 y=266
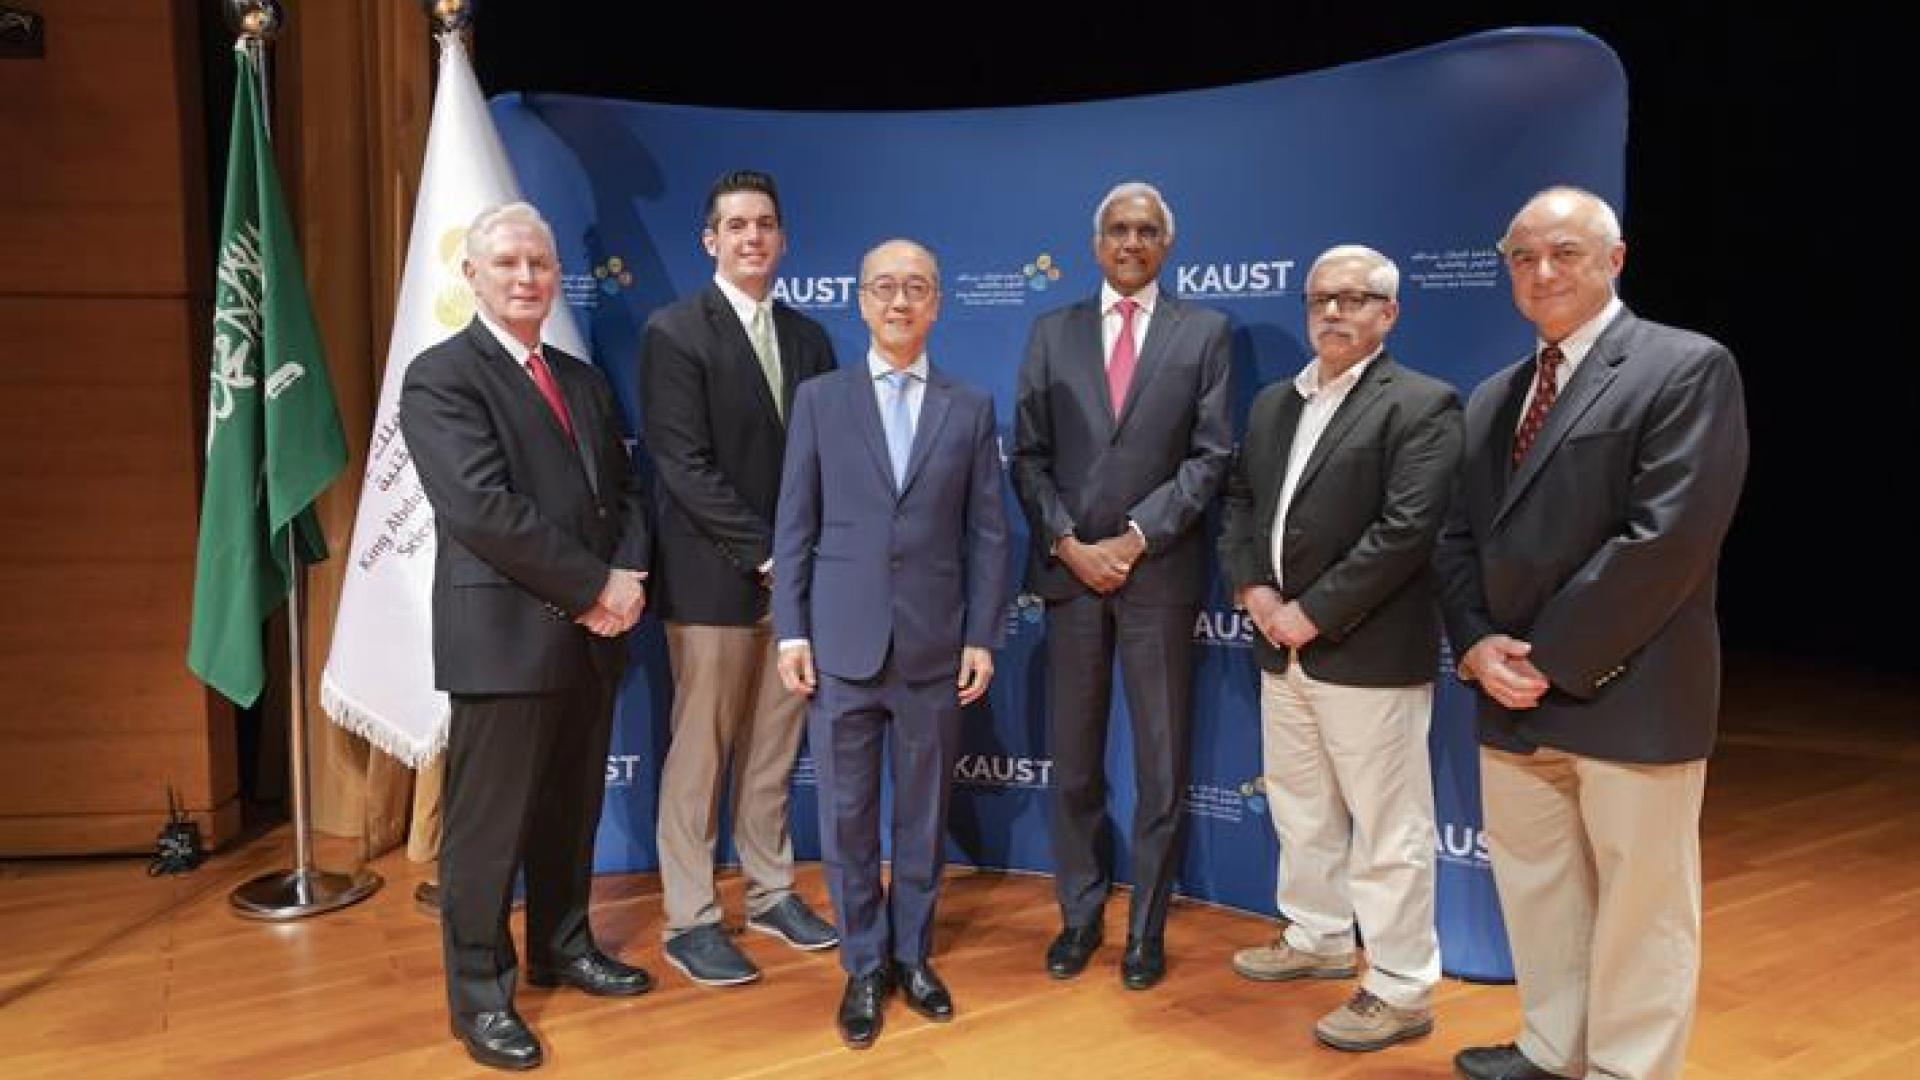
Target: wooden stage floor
x=1812 y=964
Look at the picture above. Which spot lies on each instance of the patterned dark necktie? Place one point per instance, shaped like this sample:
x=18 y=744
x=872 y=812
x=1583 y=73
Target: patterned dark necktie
x=1546 y=389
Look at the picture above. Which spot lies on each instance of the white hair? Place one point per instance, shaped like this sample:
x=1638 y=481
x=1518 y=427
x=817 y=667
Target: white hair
x=1383 y=276
x=1133 y=189
x=480 y=233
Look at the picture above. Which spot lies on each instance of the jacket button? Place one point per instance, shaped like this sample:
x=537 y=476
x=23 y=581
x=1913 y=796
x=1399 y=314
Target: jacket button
x=896 y=562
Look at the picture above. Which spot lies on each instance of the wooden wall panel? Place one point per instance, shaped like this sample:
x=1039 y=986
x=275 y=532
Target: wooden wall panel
x=102 y=285
x=95 y=186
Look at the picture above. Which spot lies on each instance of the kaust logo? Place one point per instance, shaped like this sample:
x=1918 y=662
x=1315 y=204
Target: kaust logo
x=1041 y=272
x=1001 y=770
x=613 y=275
x=819 y=293
x=1024 y=613
x=1226 y=627
x=1233 y=280
x=622 y=770
x=1461 y=844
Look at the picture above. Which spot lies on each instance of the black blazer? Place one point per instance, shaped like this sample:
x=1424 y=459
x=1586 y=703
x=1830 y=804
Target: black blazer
x=1602 y=549
x=1361 y=527
x=717 y=443
x=1078 y=468
x=528 y=523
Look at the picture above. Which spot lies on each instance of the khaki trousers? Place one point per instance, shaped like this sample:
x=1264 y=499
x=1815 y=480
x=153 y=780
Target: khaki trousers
x=1351 y=794
x=733 y=722
x=1598 y=868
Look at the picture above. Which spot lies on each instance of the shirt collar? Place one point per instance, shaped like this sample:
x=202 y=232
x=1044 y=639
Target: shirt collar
x=742 y=304
x=877 y=366
x=1576 y=345
x=1148 y=297
x=516 y=349
x=1308 y=381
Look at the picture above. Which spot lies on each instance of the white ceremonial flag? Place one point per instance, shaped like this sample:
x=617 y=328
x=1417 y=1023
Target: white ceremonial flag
x=378 y=681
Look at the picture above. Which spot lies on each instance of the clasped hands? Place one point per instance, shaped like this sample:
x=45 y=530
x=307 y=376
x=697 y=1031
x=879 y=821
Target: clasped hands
x=1500 y=665
x=1281 y=621
x=619 y=606
x=1103 y=565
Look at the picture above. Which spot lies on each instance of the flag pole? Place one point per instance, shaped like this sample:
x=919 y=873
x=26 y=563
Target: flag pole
x=304 y=890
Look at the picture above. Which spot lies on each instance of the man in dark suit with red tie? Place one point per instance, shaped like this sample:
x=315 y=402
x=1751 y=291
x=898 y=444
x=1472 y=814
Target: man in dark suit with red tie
x=1121 y=439
x=1577 y=574
x=542 y=552
x=718 y=371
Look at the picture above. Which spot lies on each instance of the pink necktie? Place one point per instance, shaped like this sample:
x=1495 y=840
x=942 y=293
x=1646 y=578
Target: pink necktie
x=549 y=389
x=1546 y=388
x=1120 y=364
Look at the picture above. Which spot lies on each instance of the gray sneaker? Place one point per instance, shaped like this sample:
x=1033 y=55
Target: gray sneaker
x=1280 y=962
x=795 y=923
x=1366 y=1023
x=705 y=955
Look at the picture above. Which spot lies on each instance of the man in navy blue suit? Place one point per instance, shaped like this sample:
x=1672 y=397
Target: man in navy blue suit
x=890 y=548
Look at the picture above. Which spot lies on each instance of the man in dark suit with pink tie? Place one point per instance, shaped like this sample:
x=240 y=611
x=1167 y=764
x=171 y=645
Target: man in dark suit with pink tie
x=1122 y=438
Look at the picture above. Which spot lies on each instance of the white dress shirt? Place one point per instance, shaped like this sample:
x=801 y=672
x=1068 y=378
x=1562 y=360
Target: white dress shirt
x=744 y=307
x=1148 y=298
x=1322 y=401
x=1573 y=349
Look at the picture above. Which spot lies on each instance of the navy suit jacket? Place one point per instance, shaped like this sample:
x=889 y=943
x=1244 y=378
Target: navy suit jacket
x=859 y=569
x=1602 y=548
x=1079 y=468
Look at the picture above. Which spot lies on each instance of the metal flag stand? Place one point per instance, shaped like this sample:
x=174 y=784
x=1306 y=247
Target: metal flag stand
x=304 y=890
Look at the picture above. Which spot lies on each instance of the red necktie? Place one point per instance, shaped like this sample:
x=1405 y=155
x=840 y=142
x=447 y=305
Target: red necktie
x=1120 y=363
x=1546 y=388
x=549 y=389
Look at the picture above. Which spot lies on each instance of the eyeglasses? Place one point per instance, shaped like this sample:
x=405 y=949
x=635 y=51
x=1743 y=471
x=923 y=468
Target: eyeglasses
x=916 y=289
x=1347 y=302
x=1117 y=233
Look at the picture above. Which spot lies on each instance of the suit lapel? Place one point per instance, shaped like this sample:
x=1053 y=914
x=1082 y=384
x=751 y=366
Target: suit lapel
x=581 y=410
x=1161 y=328
x=513 y=372
x=1090 y=378
x=1361 y=398
x=735 y=356
x=1286 y=421
x=1590 y=380
x=864 y=407
x=934 y=402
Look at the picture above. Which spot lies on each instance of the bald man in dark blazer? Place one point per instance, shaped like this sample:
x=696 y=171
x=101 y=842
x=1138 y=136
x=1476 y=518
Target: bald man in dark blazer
x=1578 y=574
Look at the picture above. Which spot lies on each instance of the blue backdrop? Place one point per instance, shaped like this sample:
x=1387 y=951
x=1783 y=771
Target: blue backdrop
x=1424 y=155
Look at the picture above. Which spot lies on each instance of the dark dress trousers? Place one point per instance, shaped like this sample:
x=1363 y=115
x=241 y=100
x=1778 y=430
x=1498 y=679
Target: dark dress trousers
x=529 y=524
x=1079 y=468
x=888 y=587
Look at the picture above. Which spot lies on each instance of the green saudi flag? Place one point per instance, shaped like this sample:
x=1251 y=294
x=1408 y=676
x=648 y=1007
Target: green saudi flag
x=273 y=434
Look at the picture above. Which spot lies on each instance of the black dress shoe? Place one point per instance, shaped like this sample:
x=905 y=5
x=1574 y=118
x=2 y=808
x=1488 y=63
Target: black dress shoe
x=596 y=973
x=924 y=991
x=500 y=1040
x=1504 y=1062
x=860 y=1008
x=1144 y=964
x=1072 y=947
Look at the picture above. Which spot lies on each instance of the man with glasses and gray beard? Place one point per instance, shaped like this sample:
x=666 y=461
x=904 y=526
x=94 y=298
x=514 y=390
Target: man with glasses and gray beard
x=1332 y=508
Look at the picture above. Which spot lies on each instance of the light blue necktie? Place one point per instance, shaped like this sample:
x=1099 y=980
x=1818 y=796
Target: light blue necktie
x=899 y=424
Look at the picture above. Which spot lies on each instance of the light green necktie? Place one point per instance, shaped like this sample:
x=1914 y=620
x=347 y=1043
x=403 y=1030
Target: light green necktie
x=761 y=331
